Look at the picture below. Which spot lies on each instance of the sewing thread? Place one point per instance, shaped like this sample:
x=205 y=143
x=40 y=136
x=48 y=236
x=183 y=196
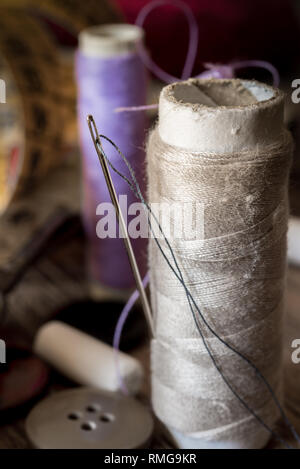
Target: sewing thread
x=104 y=83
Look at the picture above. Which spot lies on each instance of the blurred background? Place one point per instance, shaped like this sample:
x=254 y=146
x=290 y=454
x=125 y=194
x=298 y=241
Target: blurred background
x=43 y=246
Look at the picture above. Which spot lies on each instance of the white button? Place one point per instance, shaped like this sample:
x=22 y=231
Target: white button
x=89 y=419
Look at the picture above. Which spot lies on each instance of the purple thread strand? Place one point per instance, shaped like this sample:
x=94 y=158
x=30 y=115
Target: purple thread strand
x=119 y=329
x=213 y=70
x=260 y=64
x=219 y=71
x=193 y=40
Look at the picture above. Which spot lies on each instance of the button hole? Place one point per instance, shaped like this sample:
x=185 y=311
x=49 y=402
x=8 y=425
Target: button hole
x=74 y=416
x=92 y=408
x=106 y=418
x=88 y=426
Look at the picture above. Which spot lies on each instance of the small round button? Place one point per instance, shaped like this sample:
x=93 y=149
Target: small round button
x=89 y=419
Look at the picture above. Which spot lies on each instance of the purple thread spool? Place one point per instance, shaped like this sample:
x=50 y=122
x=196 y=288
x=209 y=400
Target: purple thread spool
x=110 y=74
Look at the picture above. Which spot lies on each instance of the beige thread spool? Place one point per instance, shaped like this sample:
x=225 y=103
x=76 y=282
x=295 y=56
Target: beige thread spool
x=222 y=142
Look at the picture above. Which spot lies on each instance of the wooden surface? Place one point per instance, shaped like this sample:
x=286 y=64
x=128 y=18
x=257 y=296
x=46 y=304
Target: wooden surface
x=57 y=277
x=12 y=434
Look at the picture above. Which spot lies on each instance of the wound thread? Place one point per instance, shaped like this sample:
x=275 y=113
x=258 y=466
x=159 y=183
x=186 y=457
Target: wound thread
x=194 y=308
x=110 y=74
x=236 y=272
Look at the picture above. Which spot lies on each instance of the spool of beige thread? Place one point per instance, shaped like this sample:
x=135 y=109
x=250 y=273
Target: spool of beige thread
x=221 y=143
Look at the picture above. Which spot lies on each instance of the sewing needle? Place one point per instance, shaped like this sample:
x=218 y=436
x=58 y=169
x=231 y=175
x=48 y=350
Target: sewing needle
x=127 y=242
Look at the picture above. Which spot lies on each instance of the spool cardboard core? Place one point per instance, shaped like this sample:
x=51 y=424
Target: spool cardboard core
x=220 y=116
x=230 y=93
x=110 y=39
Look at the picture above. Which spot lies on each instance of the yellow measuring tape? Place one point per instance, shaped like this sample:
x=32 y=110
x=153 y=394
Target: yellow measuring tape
x=31 y=126
x=40 y=90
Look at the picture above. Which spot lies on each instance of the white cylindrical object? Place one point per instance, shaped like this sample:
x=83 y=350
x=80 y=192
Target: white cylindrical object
x=213 y=118
x=86 y=360
x=110 y=39
x=294 y=241
x=232 y=127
